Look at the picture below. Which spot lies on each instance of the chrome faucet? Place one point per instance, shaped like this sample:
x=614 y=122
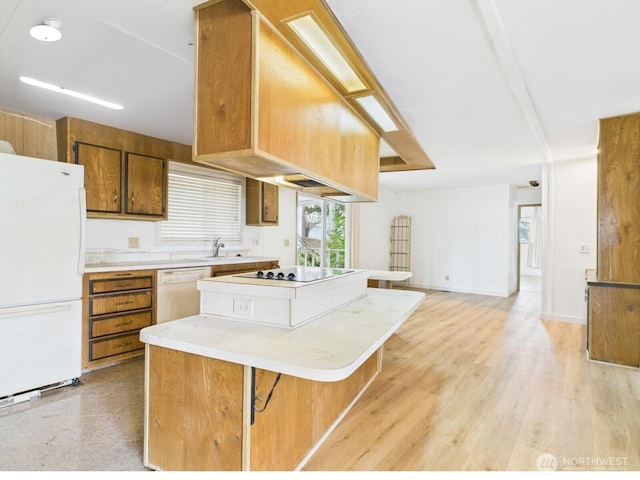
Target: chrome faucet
x=216 y=247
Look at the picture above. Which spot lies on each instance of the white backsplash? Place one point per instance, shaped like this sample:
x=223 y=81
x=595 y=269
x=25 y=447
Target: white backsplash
x=110 y=255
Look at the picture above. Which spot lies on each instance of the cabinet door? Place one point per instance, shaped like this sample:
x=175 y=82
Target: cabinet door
x=145 y=185
x=102 y=175
x=614 y=326
x=261 y=203
x=269 y=203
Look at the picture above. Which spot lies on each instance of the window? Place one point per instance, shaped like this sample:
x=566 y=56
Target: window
x=203 y=204
x=323 y=233
x=525 y=224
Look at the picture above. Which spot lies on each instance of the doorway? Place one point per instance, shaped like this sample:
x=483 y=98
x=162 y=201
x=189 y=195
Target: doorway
x=529 y=248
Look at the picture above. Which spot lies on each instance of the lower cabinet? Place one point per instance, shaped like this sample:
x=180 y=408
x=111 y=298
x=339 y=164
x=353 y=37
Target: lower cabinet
x=614 y=323
x=116 y=305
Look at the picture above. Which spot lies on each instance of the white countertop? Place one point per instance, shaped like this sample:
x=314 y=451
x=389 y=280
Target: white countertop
x=389 y=275
x=329 y=348
x=177 y=263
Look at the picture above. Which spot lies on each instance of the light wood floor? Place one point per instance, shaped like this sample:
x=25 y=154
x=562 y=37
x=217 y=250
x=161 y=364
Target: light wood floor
x=468 y=383
x=481 y=383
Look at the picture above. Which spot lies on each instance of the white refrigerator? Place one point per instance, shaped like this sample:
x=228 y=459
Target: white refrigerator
x=42 y=232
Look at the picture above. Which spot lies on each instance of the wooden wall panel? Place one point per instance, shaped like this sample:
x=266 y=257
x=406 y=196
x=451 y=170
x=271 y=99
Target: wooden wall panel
x=614 y=324
x=30 y=135
x=619 y=199
x=223 y=81
x=299 y=413
x=299 y=113
x=194 y=417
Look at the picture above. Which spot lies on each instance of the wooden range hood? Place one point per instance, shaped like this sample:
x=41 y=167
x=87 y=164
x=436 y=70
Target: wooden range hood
x=409 y=155
x=266 y=109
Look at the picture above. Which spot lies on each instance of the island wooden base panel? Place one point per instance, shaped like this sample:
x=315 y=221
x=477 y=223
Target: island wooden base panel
x=194 y=413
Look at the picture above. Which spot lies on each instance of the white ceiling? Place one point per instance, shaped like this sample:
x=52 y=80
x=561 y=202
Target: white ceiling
x=491 y=89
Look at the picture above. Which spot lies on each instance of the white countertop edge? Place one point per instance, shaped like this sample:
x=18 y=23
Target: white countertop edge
x=171 y=264
x=287 y=368
x=389 y=275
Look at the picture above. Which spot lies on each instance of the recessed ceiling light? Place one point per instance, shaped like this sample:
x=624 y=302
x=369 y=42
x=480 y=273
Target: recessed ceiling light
x=310 y=32
x=81 y=96
x=377 y=113
x=48 y=32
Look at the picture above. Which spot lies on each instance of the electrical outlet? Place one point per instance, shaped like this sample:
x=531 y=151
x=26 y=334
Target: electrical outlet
x=243 y=307
x=286 y=242
x=256 y=242
x=446 y=277
x=134 y=242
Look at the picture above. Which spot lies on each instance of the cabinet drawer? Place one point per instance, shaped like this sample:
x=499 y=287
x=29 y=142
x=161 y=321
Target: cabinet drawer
x=119 y=284
x=115 y=346
x=120 y=303
x=122 y=323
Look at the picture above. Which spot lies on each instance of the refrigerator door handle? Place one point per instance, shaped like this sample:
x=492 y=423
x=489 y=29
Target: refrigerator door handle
x=82 y=195
x=15 y=312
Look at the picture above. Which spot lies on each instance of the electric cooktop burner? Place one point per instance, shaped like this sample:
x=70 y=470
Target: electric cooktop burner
x=297 y=274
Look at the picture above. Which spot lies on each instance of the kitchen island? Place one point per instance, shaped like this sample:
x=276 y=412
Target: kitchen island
x=223 y=394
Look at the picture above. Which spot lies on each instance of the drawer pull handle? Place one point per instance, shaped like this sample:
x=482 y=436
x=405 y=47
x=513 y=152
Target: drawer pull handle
x=123 y=345
x=124 y=324
x=119 y=304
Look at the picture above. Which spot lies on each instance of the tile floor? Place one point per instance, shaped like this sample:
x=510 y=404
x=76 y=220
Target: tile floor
x=95 y=426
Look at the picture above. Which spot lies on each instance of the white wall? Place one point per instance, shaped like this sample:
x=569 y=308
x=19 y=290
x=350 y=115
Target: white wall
x=572 y=222
x=375 y=231
x=463 y=233
x=280 y=241
x=484 y=262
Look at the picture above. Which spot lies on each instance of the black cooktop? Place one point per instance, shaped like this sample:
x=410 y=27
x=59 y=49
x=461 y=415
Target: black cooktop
x=296 y=274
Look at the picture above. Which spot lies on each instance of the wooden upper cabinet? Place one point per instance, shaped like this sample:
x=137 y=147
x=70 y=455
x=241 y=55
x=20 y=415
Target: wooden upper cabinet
x=102 y=176
x=146 y=185
x=263 y=111
x=619 y=199
x=261 y=203
x=126 y=173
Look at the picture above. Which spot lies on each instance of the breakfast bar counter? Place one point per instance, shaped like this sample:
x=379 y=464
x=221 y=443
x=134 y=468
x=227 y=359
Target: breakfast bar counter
x=227 y=394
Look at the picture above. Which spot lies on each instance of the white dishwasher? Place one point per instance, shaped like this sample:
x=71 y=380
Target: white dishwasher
x=177 y=293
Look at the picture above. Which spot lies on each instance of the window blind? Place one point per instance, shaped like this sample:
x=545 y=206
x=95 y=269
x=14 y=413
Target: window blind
x=203 y=205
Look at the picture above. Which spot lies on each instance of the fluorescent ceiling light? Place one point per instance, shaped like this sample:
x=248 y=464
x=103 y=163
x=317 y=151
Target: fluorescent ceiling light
x=81 y=96
x=317 y=40
x=48 y=32
x=377 y=113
